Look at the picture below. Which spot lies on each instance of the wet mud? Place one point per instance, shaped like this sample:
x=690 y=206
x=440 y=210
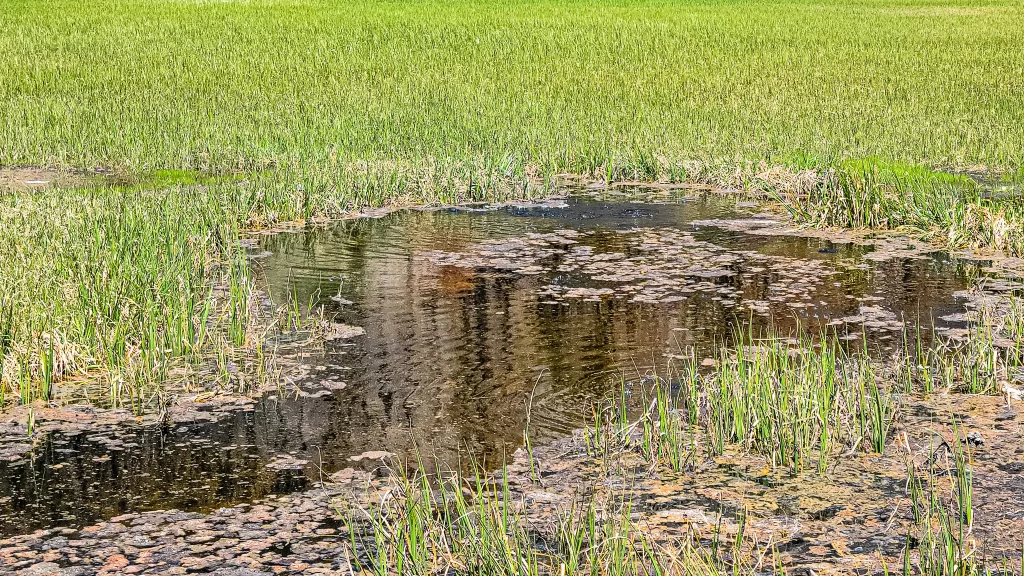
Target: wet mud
x=853 y=519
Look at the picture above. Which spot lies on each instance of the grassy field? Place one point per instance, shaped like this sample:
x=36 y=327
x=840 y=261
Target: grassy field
x=317 y=108
x=117 y=292
x=580 y=86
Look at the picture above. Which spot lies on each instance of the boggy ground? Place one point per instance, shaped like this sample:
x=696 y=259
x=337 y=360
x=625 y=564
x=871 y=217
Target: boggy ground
x=855 y=518
x=848 y=520
x=671 y=264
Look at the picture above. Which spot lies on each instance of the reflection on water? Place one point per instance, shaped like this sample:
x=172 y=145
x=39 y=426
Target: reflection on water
x=454 y=353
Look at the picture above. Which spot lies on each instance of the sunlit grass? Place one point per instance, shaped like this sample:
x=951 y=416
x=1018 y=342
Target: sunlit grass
x=624 y=89
x=798 y=406
x=486 y=523
x=951 y=210
x=129 y=287
x=801 y=403
x=468 y=523
x=114 y=282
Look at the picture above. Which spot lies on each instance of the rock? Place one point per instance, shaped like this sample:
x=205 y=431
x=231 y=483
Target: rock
x=55 y=543
x=41 y=569
x=114 y=564
x=198 y=563
x=141 y=541
x=975 y=439
x=52 y=555
x=371 y=455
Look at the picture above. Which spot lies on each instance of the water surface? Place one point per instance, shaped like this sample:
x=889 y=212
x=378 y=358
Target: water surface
x=476 y=321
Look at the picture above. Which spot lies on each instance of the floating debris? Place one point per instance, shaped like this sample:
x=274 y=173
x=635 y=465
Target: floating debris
x=371 y=455
x=337 y=331
x=650 y=266
x=287 y=462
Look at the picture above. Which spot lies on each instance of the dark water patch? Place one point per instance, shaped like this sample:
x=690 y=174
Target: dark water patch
x=474 y=321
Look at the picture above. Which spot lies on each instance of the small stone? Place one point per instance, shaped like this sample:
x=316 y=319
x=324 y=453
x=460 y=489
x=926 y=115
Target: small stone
x=196 y=563
x=55 y=543
x=371 y=455
x=124 y=518
x=115 y=563
x=141 y=541
x=41 y=569
x=975 y=439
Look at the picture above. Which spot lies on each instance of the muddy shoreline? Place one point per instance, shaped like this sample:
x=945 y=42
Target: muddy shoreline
x=831 y=524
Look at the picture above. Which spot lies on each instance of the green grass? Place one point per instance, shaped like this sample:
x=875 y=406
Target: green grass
x=941 y=500
x=118 y=294
x=480 y=523
x=474 y=524
x=623 y=88
x=114 y=282
x=803 y=402
x=949 y=209
x=795 y=405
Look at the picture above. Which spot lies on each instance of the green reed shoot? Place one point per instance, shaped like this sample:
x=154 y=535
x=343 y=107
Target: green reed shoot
x=663 y=435
x=786 y=402
x=794 y=405
x=962 y=477
x=474 y=523
x=942 y=525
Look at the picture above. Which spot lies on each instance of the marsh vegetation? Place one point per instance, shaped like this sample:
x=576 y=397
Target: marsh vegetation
x=781 y=261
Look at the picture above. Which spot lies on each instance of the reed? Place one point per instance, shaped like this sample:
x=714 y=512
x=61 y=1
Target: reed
x=472 y=523
x=107 y=283
x=984 y=361
x=106 y=289
x=480 y=523
x=954 y=210
x=941 y=499
x=795 y=405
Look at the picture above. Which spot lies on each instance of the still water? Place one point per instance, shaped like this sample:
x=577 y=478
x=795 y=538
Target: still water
x=475 y=321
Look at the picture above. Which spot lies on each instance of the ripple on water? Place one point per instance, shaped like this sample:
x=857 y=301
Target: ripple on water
x=451 y=326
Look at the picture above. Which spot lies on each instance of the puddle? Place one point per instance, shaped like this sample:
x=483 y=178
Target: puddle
x=474 y=319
